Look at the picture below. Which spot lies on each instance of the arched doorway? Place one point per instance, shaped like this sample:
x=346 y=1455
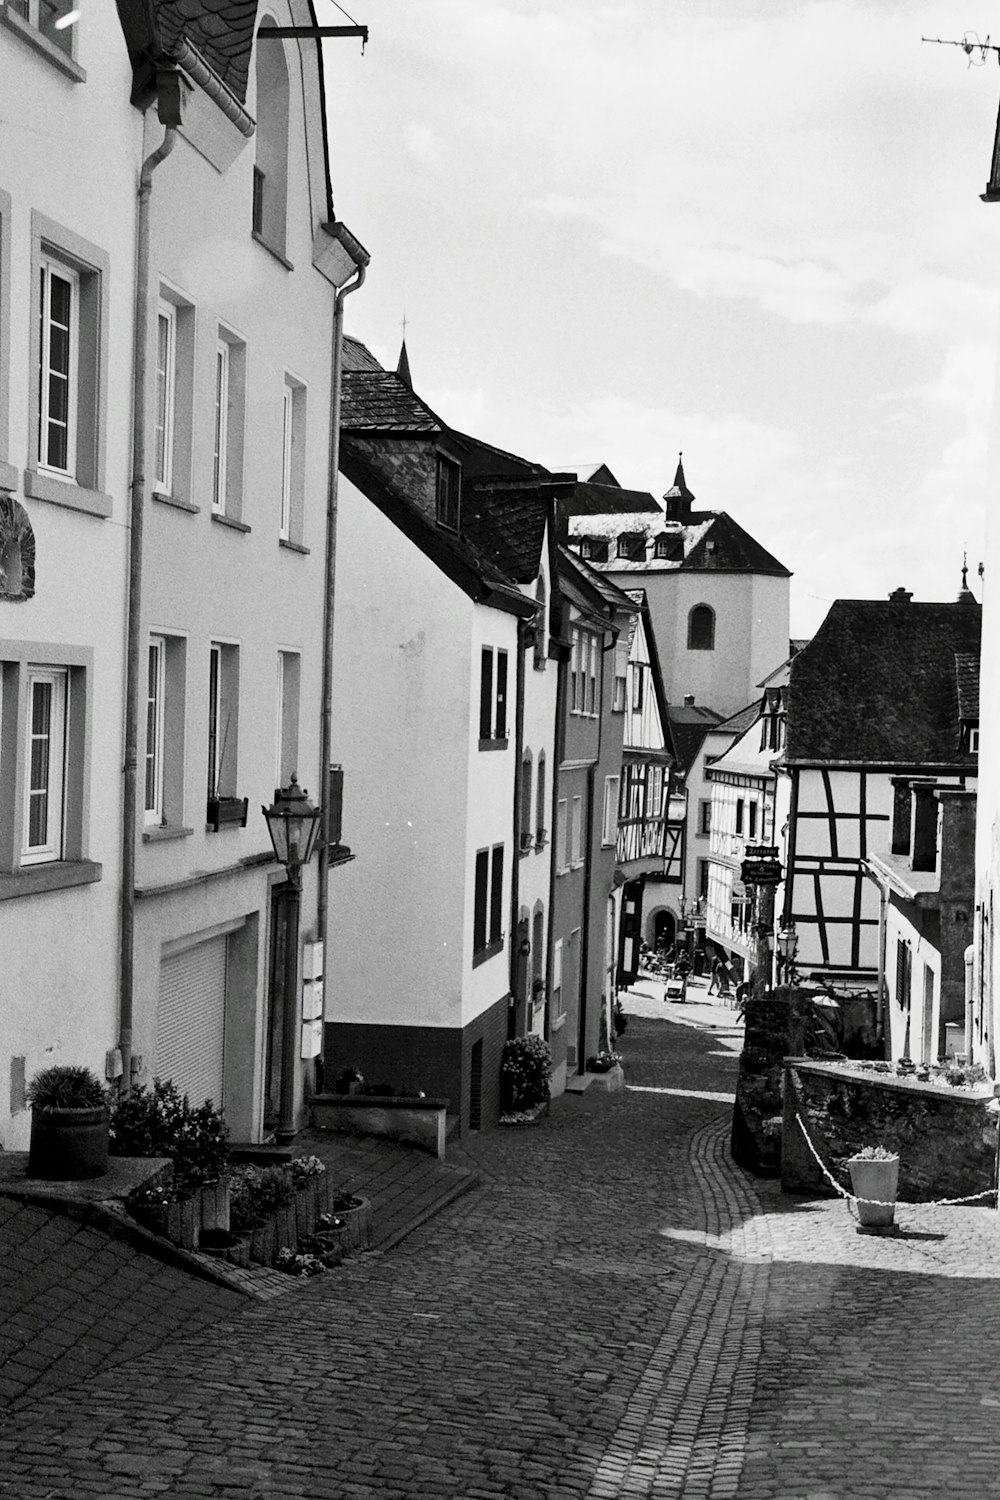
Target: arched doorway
x=664 y=929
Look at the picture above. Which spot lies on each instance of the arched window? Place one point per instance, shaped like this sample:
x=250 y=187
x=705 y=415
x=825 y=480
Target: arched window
x=701 y=628
x=541 y=829
x=527 y=803
x=270 y=173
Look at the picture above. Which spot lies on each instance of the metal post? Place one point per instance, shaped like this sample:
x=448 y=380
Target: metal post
x=286 y=1131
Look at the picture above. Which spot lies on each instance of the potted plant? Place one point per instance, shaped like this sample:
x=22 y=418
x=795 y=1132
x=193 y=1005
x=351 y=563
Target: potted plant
x=69 y=1124
x=874 y=1177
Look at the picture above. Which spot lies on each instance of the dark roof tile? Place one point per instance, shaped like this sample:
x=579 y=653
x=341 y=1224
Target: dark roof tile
x=878 y=683
x=378 y=401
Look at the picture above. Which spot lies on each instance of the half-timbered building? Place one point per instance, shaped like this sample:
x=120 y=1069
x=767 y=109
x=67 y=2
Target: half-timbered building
x=872 y=698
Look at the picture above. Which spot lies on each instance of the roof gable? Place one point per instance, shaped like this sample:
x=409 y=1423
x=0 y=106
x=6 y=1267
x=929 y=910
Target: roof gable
x=724 y=546
x=879 y=683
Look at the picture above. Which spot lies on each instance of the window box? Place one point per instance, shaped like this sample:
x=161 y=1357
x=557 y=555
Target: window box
x=222 y=810
x=527 y=843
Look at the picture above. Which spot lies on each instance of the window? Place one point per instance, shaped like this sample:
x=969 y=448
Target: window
x=576 y=832
x=904 y=974
x=287 y=747
x=583 y=672
x=556 y=995
x=753 y=819
x=586 y=547
x=974 y=740
x=45 y=764
x=162 y=768
x=740 y=804
x=50 y=18
x=166 y=389
x=270 y=179
x=612 y=785
x=58 y=372
x=155 y=694
x=493 y=699
x=562 y=863
x=701 y=628
x=702 y=878
x=487 y=923
x=527 y=837
x=223 y=720
x=541 y=808
x=638 y=684
x=227 y=445
x=704 y=817
x=293 y=475
x=661 y=547
x=772 y=731
x=449 y=489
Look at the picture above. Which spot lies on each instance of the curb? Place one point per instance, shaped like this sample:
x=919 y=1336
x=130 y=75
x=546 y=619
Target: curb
x=464 y=1185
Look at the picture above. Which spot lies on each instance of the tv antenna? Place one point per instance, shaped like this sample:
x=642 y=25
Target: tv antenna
x=974 y=49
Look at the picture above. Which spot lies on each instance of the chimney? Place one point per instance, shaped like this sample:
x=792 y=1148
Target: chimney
x=689 y=700
x=900 y=596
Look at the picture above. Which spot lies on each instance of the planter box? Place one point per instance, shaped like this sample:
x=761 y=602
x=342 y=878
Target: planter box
x=354 y=1229
x=182 y=1223
x=221 y=1245
x=68 y=1145
x=221 y=810
x=213 y=1205
x=874 y=1185
x=306 y=1208
x=263 y=1244
x=419 y=1122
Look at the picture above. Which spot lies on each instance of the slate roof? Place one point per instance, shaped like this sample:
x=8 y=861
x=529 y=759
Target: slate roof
x=379 y=401
x=507 y=525
x=879 y=684
x=740 y=722
x=357 y=356
x=726 y=547
x=587 y=499
x=707 y=541
x=689 y=724
x=967 y=670
x=221 y=30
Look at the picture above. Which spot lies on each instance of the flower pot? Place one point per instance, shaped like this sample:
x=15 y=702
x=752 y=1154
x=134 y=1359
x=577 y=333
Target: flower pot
x=182 y=1223
x=213 y=1205
x=874 y=1185
x=233 y=1248
x=305 y=1209
x=262 y=1243
x=68 y=1145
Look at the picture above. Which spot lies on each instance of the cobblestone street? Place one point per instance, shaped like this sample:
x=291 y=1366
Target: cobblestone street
x=614 y=1311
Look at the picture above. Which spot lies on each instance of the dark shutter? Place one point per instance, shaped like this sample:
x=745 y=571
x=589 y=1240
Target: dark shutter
x=496 y=895
x=501 y=724
x=486 y=696
x=482 y=883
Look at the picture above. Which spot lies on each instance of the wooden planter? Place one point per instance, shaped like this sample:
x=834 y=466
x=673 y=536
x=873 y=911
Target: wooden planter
x=263 y=1243
x=213 y=1205
x=222 y=1245
x=68 y=1145
x=306 y=1208
x=354 y=1231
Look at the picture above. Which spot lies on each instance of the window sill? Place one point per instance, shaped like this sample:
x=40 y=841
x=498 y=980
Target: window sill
x=223 y=520
x=282 y=260
x=583 y=713
x=558 y=1022
x=163 y=834
x=563 y=870
x=541 y=841
x=33 y=880
x=290 y=546
x=490 y=951
x=176 y=503
x=66 y=491
x=40 y=43
x=494 y=744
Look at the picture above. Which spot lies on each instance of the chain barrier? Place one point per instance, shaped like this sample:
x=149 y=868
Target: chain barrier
x=853 y=1197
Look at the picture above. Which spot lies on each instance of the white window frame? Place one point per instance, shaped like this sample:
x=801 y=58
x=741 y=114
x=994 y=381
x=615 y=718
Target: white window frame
x=562 y=825
x=612 y=794
x=155 y=706
x=556 y=1008
x=49 y=267
x=287 y=441
x=53 y=789
x=576 y=833
x=220 y=455
x=166 y=397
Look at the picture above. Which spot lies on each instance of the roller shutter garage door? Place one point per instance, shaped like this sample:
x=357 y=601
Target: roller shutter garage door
x=191 y=1023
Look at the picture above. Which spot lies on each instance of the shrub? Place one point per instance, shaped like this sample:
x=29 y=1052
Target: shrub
x=159 y=1122
x=874 y=1153
x=66 y=1086
x=255 y=1193
x=525 y=1070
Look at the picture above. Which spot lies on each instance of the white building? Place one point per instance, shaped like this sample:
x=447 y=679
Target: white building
x=67 y=263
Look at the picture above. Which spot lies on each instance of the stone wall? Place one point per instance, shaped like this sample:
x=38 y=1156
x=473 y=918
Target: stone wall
x=946 y=1138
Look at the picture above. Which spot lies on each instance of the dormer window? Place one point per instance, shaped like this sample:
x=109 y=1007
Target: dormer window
x=449 y=492
x=586 y=547
x=632 y=545
x=661 y=547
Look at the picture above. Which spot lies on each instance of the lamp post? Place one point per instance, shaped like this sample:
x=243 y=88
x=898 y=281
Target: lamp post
x=293 y=824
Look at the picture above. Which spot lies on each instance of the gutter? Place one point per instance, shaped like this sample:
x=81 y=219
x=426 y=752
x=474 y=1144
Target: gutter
x=359 y=255
x=169 y=97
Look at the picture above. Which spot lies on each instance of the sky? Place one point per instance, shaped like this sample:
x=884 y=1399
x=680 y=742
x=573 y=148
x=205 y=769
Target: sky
x=751 y=232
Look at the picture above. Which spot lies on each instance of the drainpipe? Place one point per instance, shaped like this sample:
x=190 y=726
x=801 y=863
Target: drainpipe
x=361 y=258
x=581 y=1050
x=515 y=871
x=168 y=89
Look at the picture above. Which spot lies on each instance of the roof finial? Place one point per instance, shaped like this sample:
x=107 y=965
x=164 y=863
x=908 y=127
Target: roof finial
x=965 y=569
x=403 y=366
x=965 y=594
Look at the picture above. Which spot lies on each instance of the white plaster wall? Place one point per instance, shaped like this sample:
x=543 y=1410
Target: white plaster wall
x=923 y=1043
x=400 y=916
x=71 y=152
x=535 y=868
x=489 y=810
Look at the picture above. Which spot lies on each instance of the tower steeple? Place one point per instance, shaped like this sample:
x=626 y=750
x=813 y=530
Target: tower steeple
x=965 y=594
x=678 y=498
x=403 y=366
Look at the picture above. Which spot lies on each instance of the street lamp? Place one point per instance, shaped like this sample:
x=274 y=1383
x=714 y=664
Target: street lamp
x=788 y=947
x=293 y=824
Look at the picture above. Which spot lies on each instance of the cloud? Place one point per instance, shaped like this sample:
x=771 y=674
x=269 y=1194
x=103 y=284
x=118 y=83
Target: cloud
x=423 y=144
